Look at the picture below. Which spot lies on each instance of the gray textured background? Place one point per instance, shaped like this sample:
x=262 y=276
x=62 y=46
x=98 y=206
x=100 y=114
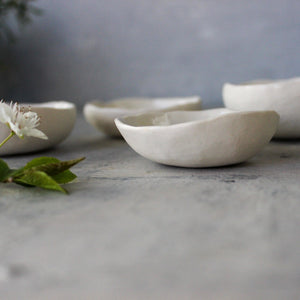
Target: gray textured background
x=81 y=50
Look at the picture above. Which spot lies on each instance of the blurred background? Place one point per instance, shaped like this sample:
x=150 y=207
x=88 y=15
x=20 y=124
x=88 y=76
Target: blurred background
x=97 y=49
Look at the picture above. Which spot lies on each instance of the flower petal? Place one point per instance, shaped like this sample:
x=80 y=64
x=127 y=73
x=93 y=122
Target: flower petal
x=36 y=133
x=5 y=113
x=15 y=128
x=20 y=122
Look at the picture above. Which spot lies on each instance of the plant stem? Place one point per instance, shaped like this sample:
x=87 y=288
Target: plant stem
x=10 y=136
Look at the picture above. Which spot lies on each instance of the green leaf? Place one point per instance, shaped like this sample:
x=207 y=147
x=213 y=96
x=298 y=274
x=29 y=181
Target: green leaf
x=36 y=162
x=44 y=172
x=40 y=161
x=5 y=171
x=64 y=177
x=39 y=179
x=50 y=165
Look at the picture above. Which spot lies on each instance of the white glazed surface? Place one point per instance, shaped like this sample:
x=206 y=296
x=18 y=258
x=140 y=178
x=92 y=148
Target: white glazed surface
x=102 y=114
x=207 y=138
x=57 y=120
x=283 y=96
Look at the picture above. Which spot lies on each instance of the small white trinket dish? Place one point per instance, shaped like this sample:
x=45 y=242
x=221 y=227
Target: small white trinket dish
x=283 y=96
x=208 y=138
x=57 y=120
x=102 y=114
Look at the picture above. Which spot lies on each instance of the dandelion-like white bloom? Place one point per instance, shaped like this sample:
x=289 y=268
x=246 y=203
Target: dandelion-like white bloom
x=21 y=123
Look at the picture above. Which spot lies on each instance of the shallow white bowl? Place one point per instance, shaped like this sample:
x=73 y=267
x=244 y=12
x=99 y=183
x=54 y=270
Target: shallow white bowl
x=283 y=96
x=207 y=138
x=57 y=120
x=102 y=114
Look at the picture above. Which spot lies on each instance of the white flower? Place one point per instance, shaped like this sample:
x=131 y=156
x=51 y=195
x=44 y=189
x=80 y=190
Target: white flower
x=21 y=123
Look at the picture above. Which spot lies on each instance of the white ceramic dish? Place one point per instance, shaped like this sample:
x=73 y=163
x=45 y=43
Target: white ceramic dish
x=102 y=114
x=283 y=96
x=207 y=138
x=57 y=120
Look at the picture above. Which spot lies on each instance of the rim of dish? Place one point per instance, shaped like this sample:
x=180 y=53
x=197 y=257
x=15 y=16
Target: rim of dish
x=60 y=105
x=176 y=101
x=263 y=82
x=182 y=124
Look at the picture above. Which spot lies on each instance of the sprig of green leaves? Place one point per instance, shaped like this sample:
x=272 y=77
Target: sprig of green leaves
x=44 y=172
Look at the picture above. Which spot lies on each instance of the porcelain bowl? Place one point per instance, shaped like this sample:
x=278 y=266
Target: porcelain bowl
x=57 y=120
x=283 y=96
x=102 y=114
x=207 y=138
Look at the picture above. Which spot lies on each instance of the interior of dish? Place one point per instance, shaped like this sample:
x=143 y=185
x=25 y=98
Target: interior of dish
x=173 y=118
x=146 y=103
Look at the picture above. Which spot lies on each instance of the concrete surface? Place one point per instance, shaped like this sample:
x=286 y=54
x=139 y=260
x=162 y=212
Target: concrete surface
x=133 y=229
